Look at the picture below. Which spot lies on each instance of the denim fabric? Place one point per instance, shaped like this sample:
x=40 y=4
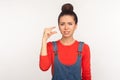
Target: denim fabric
x=64 y=72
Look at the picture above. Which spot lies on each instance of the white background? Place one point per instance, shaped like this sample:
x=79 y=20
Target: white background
x=21 y=28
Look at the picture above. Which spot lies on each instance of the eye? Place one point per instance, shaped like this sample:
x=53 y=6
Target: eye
x=70 y=23
x=61 y=24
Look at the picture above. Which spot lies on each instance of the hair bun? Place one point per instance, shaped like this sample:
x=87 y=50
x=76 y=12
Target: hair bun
x=67 y=7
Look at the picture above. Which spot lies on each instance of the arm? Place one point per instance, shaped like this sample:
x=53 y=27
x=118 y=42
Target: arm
x=45 y=62
x=86 y=71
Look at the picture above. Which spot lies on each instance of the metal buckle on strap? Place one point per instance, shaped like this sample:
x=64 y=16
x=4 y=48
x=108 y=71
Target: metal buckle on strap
x=55 y=53
x=79 y=53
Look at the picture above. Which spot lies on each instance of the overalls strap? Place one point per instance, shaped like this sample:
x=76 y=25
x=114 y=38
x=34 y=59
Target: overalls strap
x=55 y=47
x=80 y=47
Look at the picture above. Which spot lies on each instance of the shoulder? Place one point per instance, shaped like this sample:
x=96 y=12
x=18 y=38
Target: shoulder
x=50 y=44
x=85 y=46
x=86 y=49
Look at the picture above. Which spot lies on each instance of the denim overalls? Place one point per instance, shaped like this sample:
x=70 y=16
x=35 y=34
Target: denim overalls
x=64 y=72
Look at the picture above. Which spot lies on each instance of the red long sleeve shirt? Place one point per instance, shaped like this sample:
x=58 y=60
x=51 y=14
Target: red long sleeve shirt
x=67 y=56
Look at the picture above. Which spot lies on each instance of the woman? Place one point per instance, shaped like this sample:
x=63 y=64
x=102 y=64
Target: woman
x=69 y=58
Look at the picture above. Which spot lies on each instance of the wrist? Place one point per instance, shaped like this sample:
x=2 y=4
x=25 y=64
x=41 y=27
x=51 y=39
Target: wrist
x=44 y=39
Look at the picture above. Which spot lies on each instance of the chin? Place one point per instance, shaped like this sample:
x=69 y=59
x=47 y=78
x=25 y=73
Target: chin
x=66 y=36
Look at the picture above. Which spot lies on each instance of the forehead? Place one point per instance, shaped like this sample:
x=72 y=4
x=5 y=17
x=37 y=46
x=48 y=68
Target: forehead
x=67 y=18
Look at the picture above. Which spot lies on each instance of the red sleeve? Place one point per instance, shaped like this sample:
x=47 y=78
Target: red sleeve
x=45 y=61
x=86 y=71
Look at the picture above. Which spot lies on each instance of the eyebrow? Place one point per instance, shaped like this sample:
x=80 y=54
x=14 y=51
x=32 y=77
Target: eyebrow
x=66 y=22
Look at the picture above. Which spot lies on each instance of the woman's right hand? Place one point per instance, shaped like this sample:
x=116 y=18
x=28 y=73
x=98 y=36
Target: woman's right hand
x=48 y=32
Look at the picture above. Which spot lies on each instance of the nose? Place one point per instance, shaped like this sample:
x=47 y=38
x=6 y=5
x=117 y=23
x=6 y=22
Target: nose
x=66 y=27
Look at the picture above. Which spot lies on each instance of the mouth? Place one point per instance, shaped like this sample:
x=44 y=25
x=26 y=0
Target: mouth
x=66 y=32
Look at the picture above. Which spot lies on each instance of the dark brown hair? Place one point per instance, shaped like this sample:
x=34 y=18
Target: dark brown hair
x=67 y=9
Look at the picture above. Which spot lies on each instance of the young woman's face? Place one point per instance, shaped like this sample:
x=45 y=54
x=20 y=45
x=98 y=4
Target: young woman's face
x=67 y=25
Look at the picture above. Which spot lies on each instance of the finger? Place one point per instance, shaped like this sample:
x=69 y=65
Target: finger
x=53 y=32
x=51 y=28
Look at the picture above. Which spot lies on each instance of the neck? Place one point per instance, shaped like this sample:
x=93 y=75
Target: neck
x=67 y=41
